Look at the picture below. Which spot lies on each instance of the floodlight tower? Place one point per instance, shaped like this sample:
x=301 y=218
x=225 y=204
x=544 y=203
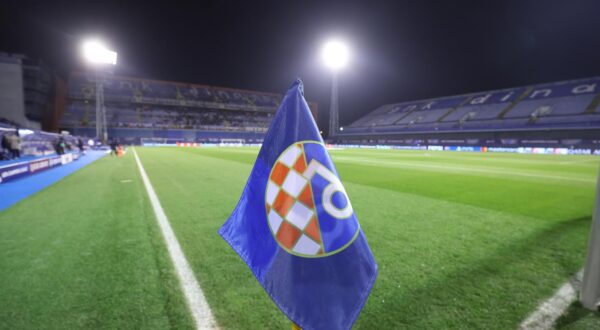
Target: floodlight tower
x=102 y=59
x=335 y=55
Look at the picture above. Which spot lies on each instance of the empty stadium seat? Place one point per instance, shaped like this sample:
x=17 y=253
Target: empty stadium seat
x=566 y=104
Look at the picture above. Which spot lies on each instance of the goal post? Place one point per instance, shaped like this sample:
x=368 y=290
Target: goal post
x=232 y=142
x=590 y=287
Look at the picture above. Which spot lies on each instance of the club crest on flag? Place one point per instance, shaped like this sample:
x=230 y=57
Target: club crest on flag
x=295 y=228
x=308 y=210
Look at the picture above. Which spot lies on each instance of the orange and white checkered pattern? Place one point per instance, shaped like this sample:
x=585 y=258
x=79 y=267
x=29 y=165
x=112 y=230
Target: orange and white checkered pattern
x=290 y=206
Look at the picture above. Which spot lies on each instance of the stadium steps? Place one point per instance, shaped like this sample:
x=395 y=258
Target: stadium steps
x=515 y=102
x=593 y=105
x=401 y=118
x=467 y=100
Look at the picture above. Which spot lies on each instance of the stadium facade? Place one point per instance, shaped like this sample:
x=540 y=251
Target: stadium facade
x=33 y=96
x=556 y=115
x=30 y=93
x=152 y=111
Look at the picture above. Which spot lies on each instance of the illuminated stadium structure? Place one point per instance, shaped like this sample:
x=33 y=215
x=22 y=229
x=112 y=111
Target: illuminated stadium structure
x=452 y=182
x=169 y=112
x=562 y=114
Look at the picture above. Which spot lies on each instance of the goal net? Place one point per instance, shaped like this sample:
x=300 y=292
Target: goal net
x=159 y=141
x=232 y=142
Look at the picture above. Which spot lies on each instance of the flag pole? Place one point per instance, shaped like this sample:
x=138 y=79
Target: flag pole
x=295 y=326
x=590 y=288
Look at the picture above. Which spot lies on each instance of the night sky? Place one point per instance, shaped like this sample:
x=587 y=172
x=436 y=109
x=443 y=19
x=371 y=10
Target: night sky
x=401 y=50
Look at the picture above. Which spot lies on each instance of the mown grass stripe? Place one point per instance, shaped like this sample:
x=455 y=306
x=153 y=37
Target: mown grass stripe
x=189 y=285
x=469 y=170
x=86 y=253
x=456 y=251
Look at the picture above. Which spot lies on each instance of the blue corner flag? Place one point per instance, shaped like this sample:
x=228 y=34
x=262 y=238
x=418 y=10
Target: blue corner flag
x=295 y=228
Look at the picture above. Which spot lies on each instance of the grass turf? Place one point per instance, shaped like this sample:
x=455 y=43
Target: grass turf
x=463 y=240
x=87 y=253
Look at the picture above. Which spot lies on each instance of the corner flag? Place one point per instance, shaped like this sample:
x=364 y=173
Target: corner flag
x=295 y=228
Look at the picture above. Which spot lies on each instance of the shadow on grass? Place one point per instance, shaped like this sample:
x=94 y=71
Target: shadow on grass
x=495 y=293
x=577 y=316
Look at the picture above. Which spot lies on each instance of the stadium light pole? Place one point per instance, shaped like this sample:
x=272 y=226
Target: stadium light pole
x=100 y=57
x=335 y=56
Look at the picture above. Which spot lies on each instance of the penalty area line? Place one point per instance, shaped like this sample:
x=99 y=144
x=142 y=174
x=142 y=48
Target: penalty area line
x=194 y=296
x=550 y=310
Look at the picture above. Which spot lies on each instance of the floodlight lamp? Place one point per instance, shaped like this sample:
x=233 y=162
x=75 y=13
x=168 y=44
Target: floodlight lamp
x=341 y=129
x=335 y=54
x=95 y=52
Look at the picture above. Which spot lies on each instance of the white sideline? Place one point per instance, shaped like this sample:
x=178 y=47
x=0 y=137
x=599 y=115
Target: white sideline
x=189 y=285
x=550 y=310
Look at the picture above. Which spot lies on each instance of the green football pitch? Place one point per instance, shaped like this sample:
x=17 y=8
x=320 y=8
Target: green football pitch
x=462 y=240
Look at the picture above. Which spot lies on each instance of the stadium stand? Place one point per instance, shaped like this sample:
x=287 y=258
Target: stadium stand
x=39 y=143
x=30 y=92
x=38 y=151
x=564 y=113
x=139 y=109
x=35 y=97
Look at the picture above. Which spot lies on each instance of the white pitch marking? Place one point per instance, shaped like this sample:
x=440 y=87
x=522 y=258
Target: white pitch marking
x=550 y=310
x=189 y=285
